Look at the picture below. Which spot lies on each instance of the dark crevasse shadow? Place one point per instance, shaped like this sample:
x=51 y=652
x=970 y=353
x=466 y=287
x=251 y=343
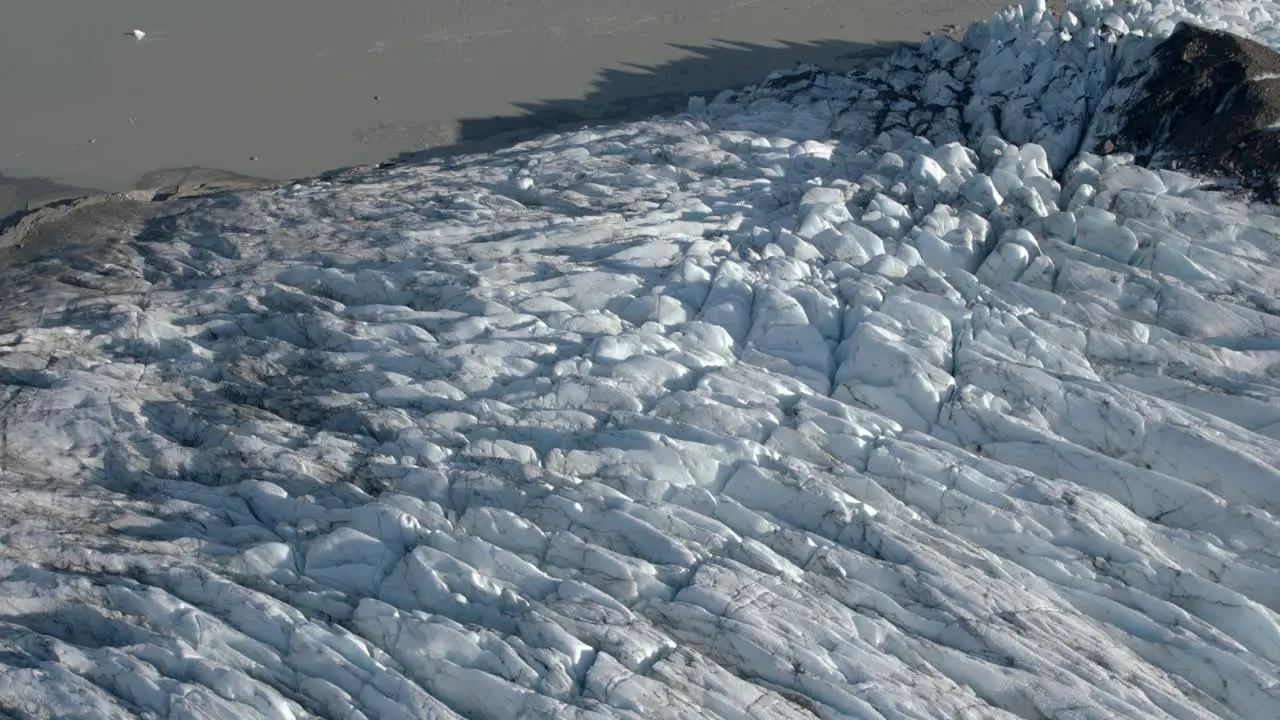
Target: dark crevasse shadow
x=641 y=91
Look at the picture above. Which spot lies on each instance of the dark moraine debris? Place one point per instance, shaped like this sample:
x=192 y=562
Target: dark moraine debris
x=1210 y=104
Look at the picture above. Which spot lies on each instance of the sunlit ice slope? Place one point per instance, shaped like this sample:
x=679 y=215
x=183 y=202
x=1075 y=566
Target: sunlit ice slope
x=839 y=397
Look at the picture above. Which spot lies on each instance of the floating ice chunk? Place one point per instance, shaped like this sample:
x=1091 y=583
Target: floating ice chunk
x=138 y=34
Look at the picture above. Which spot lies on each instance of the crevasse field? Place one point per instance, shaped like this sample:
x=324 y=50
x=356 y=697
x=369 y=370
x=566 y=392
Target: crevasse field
x=839 y=397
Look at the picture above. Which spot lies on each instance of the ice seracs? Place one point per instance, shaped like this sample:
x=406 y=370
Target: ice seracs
x=818 y=401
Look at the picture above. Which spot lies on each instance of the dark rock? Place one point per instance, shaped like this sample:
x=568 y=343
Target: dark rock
x=1210 y=104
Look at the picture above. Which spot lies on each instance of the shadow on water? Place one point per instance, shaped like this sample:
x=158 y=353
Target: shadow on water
x=641 y=91
x=632 y=93
x=20 y=194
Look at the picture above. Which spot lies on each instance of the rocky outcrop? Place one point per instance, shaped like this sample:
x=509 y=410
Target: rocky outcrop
x=1210 y=103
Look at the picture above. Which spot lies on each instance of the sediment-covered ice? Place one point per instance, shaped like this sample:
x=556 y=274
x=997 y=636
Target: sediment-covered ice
x=835 y=397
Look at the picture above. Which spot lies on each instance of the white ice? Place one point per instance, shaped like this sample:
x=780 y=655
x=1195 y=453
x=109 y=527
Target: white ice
x=840 y=396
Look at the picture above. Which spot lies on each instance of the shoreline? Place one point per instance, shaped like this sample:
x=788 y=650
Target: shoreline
x=301 y=88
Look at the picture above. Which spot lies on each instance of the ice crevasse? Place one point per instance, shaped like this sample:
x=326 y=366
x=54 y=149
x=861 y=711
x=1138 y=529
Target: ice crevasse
x=846 y=396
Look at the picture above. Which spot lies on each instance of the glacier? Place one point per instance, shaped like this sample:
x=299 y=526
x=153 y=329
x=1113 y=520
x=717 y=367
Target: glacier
x=867 y=395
